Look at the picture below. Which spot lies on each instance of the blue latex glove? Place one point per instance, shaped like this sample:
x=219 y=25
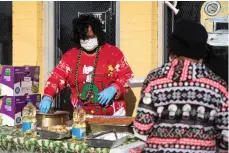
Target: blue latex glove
x=106 y=95
x=45 y=104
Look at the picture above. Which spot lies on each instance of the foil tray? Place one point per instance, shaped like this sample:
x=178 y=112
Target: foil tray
x=94 y=128
x=107 y=140
x=45 y=134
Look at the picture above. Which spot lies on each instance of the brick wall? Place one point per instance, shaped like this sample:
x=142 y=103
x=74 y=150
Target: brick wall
x=27 y=35
x=138 y=41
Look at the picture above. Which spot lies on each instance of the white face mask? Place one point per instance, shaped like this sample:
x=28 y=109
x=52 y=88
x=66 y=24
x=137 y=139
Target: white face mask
x=89 y=44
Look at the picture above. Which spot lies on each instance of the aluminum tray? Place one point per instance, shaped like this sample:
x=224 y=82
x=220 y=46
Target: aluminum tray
x=45 y=134
x=101 y=142
x=93 y=127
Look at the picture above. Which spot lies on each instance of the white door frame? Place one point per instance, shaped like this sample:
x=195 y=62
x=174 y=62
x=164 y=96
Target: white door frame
x=161 y=39
x=48 y=37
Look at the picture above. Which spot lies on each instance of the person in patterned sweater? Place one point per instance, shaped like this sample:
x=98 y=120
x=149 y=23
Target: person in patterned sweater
x=184 y=106
x=96 y=72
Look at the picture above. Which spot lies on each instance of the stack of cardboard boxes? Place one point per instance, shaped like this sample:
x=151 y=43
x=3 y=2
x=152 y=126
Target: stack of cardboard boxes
x=17 y=84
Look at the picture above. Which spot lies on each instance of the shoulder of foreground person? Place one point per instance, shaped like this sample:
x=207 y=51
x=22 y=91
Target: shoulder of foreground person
x=214 y=77
x=157 y=73
x=153 y=75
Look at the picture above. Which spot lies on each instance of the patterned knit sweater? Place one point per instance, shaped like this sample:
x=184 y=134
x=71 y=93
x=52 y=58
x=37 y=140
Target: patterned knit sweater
x=183 y=109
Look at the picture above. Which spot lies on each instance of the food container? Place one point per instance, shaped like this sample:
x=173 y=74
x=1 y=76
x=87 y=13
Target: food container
x=52 y=118
x=107 y=139
x=44 y=133
x=121 y=124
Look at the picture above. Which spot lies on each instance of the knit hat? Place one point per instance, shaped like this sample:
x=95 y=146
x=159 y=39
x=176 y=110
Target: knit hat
x=189 y=39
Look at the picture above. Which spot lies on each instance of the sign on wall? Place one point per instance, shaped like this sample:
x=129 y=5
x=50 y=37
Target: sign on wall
x=100 y=15
x=214 y=17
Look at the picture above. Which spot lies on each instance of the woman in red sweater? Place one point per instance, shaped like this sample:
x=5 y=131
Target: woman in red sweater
x=96 y=71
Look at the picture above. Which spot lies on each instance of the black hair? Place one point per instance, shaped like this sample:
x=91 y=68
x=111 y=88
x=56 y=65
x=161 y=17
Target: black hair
x=80 y=29
x=217 y=61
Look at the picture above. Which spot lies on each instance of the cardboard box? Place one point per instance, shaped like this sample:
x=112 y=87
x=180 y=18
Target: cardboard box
x=11 y=108
x=19 y=80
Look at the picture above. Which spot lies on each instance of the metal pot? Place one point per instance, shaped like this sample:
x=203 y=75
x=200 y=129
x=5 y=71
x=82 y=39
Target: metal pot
x=52 y=118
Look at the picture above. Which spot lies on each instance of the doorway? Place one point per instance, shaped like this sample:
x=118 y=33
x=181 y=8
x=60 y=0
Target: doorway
x=65 y=12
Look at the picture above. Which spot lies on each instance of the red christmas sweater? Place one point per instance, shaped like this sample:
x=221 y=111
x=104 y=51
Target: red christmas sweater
x=112 y=69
